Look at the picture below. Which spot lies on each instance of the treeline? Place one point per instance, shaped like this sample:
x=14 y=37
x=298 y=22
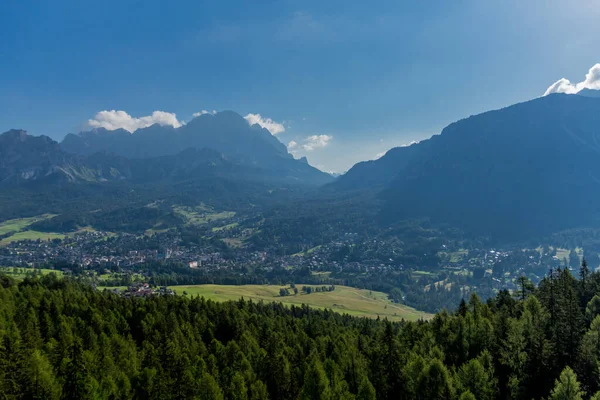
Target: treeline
x=390 y=282
x=165 y=273
x=61 y=339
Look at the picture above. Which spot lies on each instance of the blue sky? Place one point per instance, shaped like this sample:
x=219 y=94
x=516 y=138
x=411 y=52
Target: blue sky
x=346 y=79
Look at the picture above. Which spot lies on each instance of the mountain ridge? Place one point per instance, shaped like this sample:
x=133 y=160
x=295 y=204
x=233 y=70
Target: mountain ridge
x=502 y=173
x=226 y=132
x=26 y=158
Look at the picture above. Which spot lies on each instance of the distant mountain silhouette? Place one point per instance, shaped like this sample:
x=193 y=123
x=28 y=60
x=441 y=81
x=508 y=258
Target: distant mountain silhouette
x=26 y=158
x=375 y=174
x=225 y=132
x=528 y=169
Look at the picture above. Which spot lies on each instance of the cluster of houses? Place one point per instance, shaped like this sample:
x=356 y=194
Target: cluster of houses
x=101 y=251
x=95 y=250
x=143 y=290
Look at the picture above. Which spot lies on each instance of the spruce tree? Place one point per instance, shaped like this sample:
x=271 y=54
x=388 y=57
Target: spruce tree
x=209 y=388
x=76 y=379
x=316 y=383
x=567 y=387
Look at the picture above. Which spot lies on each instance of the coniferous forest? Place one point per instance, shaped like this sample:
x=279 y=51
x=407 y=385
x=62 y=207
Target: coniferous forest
x=60 y=339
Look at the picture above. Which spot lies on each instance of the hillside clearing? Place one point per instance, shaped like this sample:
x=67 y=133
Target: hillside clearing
x=201 y=215
x=32 y=235
x=344 y=299
x=21 y=273
x=16 y=225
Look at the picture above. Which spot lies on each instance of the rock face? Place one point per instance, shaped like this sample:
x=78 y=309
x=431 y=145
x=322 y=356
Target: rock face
x=25 y=158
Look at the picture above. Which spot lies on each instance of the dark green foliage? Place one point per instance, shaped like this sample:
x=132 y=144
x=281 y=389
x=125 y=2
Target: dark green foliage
x=567 y=387
x=316 y=383
x=395 y=295
x=60 y=339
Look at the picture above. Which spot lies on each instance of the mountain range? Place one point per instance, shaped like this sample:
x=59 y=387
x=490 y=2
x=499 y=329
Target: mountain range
x=221 y=144
x=523 y=171
x=26 y=158
x=228 y=133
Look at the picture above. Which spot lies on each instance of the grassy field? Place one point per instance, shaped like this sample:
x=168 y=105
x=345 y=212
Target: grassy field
x=152 y=231
x=421 y=273
x=35 y=235
x=454 y=256
x=564 y=253
x=116 y=275
x=20 y=273
x=223 y=228
x=15 y=225
x=307 y=252
x=19 y=227
x=345 y=300
x=101 y=288
x=201 y=215
x=32 y=235
x=236 y=243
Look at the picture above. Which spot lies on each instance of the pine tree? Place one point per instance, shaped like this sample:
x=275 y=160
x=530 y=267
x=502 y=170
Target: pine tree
x=237 y=388
x=76 y=379
x=514 y=358
x=316 y=384
x=11 y=361
x=366 y=391
x=525 y=287
x=584 y=273
x=467 y=396
x=258 y=391
x=592 y=308
x=567 y=387
x=589 y=353
x=573 y=259
x=209 y=388
x=570 y=320
x=435 y=382
x=41 y=382
x=537 y=347
x=473 y=378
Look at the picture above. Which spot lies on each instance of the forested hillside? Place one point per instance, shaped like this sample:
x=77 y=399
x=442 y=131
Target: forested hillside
x=60 y=339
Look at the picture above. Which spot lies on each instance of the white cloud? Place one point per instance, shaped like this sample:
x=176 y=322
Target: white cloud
x=197 y=114
x=316 y=142
x=409 y=144
x=292 y=144
x=379 y=155
x=114 y=119
x=592 y=81
x=268 y=123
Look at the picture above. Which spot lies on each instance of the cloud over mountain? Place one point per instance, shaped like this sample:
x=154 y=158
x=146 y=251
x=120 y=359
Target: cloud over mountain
x=268 y=123
x=197 y=114
x=115 y=119
x=563 y=85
